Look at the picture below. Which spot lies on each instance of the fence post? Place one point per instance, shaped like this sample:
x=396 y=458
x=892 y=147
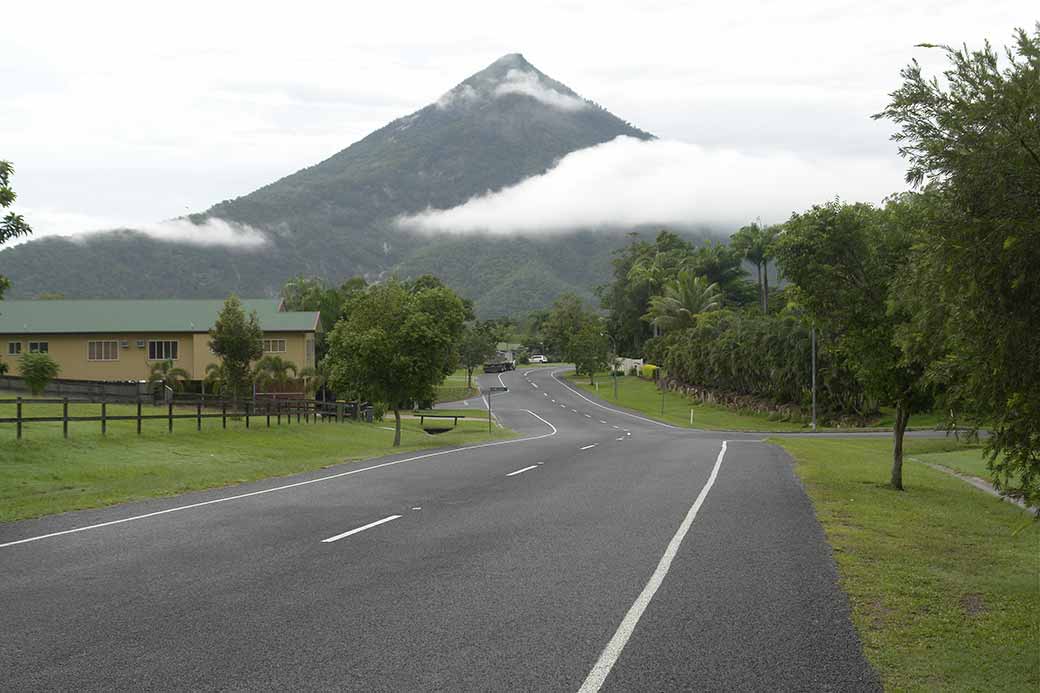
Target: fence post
x=138 y=413
x=297 y=407
x=278 y=411
x=267 y=410
x=223 y=413
x=19 y=418
x=104 y=415
x=169 y=414
x=339 y=412
x=198 y=416
x=247 y=413
x=306 y=411
x=65 y=417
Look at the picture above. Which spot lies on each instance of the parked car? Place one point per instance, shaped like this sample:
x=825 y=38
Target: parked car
x=539 y=358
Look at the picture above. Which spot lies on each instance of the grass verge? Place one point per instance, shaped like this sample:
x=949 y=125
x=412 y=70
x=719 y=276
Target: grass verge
x=44 y=474
x=943 y=580
x=674 y=408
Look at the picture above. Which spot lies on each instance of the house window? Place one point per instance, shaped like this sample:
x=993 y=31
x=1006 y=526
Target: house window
x=102 y=351
x=162 y=350
x=274 y=346
x=14 y=348
x=39 y=347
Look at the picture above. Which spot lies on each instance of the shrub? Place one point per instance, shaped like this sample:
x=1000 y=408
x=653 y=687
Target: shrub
x=38 y=370
x=650 y=371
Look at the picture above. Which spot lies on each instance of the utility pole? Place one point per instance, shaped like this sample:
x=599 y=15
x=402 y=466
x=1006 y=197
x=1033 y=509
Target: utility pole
x=814 y=376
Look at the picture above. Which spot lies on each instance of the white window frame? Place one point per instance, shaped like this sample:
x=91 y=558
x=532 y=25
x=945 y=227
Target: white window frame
x=14 y=348
x=102 y=343
x=165 y=349
x=269 y=345
x=39 y=347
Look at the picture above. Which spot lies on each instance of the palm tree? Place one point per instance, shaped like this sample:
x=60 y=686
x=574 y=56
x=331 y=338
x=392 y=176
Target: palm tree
x=274 y=370
x=165 y=374
x=314 y=379
x=684 y=298
x=216 y=378
x=755 y=244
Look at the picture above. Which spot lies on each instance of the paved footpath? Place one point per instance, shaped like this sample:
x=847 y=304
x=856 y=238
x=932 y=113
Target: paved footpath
x=599 y=551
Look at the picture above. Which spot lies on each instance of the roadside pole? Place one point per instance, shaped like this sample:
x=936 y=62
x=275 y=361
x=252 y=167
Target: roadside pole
x=488 y=393
x=814 y=376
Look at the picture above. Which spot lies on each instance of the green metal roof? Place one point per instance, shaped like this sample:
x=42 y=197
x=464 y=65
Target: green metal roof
x=158 y=315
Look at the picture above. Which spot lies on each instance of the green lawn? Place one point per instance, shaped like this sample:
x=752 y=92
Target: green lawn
x=643 y=396
x=943 y=579
x=970 y=461
x=44 y=474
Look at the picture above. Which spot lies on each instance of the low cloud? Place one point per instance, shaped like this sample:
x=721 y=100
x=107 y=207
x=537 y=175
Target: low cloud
x=628 y=182
x=530 y=84
x=84 y=227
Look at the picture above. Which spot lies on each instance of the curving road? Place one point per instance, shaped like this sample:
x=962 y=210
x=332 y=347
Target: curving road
x=599 y=551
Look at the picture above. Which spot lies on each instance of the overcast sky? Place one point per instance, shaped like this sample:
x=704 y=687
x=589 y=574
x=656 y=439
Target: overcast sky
x=130 y=113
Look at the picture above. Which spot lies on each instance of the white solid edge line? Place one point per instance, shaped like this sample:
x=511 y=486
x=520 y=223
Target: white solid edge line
x=613 y=650
x=289 y=486
x=535 y=385
x=590 y=446
x=616 y=411
x=370 y=525
x=521 y=471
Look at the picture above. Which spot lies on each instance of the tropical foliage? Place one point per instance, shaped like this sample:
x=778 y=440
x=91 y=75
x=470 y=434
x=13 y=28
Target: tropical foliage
x=274 y=371
x=684 y=298
x=38 y=370
x=165 y=374
x=11 y=225
x=237 y=339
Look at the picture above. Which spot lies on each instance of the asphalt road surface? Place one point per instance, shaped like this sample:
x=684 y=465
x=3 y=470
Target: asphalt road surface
x=599 y=551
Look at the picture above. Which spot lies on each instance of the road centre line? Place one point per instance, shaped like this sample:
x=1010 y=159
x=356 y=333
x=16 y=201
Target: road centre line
x=613 y=650
x=586 y=416
x=534 y=385
x=616 y=411
x=286 y=487
x=521 y=471
x=590 y=446
x=602 y=421
x=370 y=525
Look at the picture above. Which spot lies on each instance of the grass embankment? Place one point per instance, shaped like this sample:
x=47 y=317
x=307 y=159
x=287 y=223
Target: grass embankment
x=943 y=579
x=454 y=389
x=44 y=474
x=970 y=461
x=644 y=396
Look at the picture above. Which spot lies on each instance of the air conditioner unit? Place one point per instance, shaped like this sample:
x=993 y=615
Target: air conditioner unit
x=124 y=344
x=140 y=344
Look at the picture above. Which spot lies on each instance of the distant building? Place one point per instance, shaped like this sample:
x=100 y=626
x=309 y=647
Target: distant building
x=121 y=339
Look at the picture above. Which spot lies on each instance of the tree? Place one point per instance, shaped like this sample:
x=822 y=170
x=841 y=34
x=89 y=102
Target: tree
x=315 y=378
x=38 y=370
x=590 y=350
x=396 y=345
x=237 y=340
x=755 y=243
x=972 y=286
x=843 y=259
x=165 y=374
x=216 y=379
x=721 y=265
x=477 y=344
x=12 y=225
x=273 y=370
x=568 y=316
x=312 y=294
x=684 y=298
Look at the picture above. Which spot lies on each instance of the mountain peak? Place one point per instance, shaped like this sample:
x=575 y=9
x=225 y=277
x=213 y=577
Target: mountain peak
x=511 y=75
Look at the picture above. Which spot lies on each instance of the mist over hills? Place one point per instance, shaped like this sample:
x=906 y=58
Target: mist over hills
x=338 y=218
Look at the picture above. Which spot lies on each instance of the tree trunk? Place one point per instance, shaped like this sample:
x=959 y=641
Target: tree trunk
x=765 y=286
x=469 y=377
x=397 y=428
x=761 y=291
x=592 y=377
x=902 y=418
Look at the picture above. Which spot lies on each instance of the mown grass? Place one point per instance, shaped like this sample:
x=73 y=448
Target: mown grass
x=943 y=579
x=644 y=396
x=969 y=461
x=44 y=474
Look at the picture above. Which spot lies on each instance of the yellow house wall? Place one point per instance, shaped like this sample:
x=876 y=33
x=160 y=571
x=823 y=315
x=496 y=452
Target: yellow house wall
x=193 y=354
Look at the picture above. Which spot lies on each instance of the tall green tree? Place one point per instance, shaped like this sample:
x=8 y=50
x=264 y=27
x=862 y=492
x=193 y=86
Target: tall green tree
x=237 y=339
x=844 y=260
x=11 y=225
x=684 y=298
x=721 y=265
x=972 y=141
x=476 y=345
x=590 y=350
x=754 y=243
x=569 y=314
x=396 y=345
x=37 y=370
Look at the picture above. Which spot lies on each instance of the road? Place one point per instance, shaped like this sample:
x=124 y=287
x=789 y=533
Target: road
x=598 y=551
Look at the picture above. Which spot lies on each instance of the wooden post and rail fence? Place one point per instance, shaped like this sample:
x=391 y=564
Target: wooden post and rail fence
x=197 y=409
